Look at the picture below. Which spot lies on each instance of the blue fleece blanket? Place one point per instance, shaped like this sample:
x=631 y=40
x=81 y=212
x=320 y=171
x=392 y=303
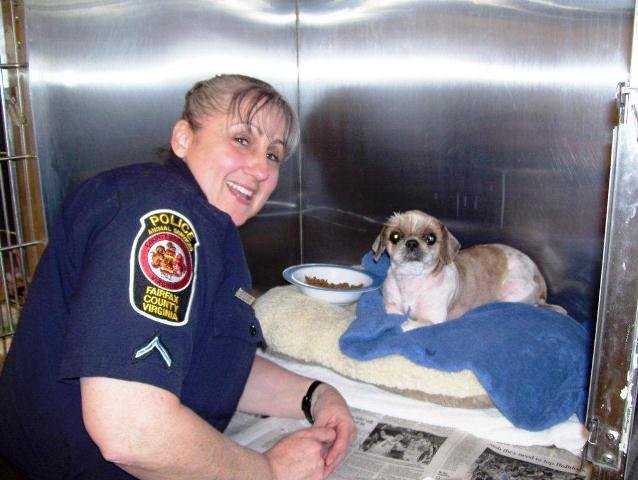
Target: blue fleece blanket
x=533 y=362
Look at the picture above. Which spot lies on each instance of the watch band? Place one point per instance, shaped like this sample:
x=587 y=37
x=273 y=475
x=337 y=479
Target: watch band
x=306 y=401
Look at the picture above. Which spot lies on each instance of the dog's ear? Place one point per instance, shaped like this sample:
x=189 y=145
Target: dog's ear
x=378 y=247
x=450 y=246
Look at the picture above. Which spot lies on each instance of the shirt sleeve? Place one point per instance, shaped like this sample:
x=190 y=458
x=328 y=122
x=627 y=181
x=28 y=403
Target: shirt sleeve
x=132 y=314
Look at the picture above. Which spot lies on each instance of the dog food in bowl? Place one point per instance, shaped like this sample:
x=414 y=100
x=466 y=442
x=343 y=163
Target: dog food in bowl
x=320 y=282
x=339 y=284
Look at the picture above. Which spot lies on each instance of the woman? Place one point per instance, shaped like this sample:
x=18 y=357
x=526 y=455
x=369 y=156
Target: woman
x=137 y=342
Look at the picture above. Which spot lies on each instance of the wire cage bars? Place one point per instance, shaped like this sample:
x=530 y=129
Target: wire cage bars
x=22 y=221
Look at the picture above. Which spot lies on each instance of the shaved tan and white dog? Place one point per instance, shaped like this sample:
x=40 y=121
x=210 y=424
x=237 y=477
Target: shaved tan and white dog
x=432 y=280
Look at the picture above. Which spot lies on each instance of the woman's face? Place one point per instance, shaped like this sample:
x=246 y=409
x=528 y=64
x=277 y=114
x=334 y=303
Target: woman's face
x=235 y=164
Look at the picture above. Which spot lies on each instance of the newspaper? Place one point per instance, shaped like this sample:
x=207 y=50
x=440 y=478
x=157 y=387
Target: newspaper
x=389 y=448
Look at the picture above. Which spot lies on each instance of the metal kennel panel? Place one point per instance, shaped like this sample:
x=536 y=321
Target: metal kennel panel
x=22 y=226
x=495 y=117
x=107 y=82
x=611 y=418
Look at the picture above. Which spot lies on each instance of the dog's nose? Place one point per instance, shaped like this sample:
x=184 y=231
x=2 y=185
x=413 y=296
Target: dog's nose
x=412 y=244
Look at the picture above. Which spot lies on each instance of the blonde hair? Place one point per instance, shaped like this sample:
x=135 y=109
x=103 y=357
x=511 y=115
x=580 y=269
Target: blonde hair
x=247 y=96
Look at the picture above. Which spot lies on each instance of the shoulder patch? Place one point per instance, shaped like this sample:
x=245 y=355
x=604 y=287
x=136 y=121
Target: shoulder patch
x=163 y=267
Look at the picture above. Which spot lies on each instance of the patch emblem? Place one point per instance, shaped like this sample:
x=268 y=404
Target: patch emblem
x=163 y=266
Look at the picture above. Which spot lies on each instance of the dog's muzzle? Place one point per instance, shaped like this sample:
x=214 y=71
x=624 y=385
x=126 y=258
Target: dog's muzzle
x=413 y=251
x=412 y=244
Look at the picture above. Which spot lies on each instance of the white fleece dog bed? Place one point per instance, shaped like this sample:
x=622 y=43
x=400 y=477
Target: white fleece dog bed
x=308 y=330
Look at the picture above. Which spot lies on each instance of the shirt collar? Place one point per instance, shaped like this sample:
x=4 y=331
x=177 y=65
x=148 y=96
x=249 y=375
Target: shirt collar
x=184 y=173
x=187 y=181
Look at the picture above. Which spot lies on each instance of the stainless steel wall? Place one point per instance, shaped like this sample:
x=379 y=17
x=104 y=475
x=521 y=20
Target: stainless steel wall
x=108 y=79
x=494 y=116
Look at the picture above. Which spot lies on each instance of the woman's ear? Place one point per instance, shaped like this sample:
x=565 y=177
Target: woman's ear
x=181 y=138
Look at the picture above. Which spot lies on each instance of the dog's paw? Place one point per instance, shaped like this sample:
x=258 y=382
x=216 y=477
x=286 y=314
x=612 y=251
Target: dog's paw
x=393 y=309
x=412 y=324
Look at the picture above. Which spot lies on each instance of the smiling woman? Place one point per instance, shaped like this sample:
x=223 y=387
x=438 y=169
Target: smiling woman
x=233 y=141
x=158 y=247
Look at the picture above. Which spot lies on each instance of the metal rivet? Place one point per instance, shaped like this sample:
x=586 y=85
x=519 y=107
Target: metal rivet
x=612 y=435
x=608 y=458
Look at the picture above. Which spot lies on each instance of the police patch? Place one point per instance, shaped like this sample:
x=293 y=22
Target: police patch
x=163 y=266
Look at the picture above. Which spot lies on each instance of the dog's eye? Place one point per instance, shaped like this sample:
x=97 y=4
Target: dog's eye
x=430 y=239
x=395 y=237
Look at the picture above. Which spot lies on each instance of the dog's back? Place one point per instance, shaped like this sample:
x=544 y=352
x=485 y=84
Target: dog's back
x=496 y=272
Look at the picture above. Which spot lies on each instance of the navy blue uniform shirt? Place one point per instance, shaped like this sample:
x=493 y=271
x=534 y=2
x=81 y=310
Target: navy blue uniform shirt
x=139 y=282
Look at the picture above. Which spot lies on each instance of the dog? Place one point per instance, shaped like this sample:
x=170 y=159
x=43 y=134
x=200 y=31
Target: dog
x=432 y=280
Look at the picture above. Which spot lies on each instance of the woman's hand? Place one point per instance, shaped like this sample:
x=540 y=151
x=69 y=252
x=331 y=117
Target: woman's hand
x=302 y=454
x=272 y=390
x=329 y=409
